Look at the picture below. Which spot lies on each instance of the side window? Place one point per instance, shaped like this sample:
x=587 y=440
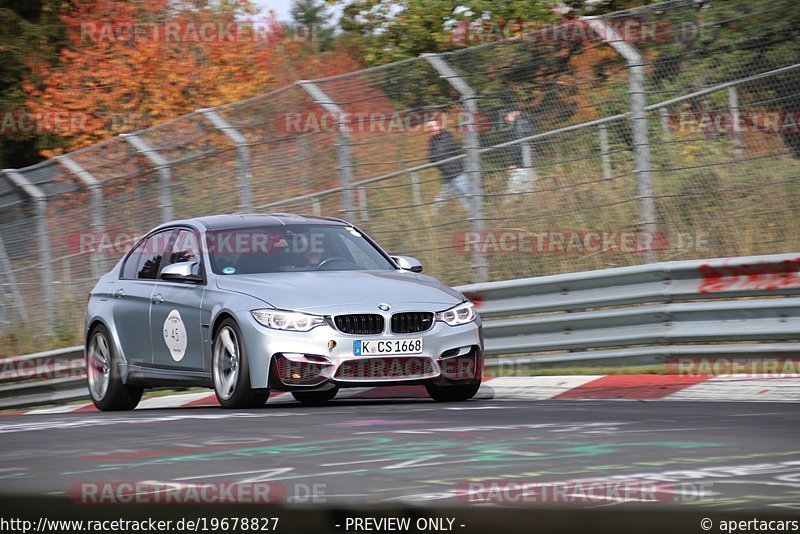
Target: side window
x=185 y=248
x=152 y=252
x=131 y=266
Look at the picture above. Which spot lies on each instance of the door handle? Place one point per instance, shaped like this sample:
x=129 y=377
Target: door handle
x=158 y=298
x=119 y=293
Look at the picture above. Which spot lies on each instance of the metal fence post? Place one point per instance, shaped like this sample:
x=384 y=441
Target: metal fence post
x=416 y=193
x=43 y=236
x=98 y=218
x=362 y=204
x=304 y=155
x=164 y=174
x=242 y=155
x=733 y=104
x=665 y=122
x=480 y=265
x=5 y=267
x=343 y=147
x=641 y=136
x=605 y=151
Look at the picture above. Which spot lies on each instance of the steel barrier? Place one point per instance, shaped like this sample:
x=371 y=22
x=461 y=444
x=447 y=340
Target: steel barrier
x=742 y=307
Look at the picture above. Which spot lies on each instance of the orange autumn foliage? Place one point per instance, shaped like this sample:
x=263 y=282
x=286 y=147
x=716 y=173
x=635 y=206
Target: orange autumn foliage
x=131 y=65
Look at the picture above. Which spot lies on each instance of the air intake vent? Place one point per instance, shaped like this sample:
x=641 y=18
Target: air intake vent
x=411 y=322
x=360 y=323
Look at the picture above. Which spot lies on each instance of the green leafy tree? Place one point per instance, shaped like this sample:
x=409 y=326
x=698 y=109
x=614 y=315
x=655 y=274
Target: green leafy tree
x=718 y=41
x=31 y=29
x=395 y=30
x=311 y=20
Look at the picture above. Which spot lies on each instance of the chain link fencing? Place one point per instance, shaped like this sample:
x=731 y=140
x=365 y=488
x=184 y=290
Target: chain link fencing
x=659 y=133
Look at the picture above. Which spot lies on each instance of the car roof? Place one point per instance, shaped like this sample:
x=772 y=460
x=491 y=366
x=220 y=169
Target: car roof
x=250 y=220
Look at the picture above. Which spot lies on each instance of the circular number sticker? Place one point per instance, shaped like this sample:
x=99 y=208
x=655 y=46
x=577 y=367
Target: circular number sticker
x=175 y=335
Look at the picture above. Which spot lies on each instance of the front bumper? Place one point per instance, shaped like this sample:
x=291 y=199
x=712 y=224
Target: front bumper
x=324 y=358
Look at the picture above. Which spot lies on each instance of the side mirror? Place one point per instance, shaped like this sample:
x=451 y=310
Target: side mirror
x=407 y=263
x=181 y=272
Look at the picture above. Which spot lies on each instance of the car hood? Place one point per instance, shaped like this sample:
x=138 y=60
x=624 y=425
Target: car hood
x=330 y=291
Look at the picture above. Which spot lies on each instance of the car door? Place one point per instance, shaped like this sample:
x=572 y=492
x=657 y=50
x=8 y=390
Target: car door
x=132 y=295
x=176 y=314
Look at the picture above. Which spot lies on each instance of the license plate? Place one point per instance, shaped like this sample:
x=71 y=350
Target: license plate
x=387 y=346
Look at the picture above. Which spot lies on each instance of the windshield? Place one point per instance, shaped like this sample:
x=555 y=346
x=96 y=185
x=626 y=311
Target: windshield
x=301 y=247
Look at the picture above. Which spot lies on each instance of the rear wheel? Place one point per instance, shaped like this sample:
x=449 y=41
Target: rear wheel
x=315 y=397
x=456 y=393
x=103 y=377
x=231 y=372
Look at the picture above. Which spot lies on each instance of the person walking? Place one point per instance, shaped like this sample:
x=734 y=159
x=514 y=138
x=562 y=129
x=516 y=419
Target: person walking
x=441 y=146
x=520 y=172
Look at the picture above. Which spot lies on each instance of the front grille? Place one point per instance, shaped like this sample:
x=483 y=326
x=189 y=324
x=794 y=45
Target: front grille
x=411 y=322
x=385 y=368
x=359 y=323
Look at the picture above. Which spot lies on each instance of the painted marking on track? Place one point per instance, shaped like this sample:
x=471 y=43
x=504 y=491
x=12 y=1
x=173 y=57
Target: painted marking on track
x=358 y=462
x=470 y=408
x=604 y=427
x=646 y=431
x=273 y=478
x=237 y=473
x=332 y=473
x=399 y=489
x=757 y=414
x=414 y=462
x=68 y=424
x=515 y=453
x=385 y=422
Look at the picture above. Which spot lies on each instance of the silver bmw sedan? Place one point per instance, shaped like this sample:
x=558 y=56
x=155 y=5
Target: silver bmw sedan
x=246 y=304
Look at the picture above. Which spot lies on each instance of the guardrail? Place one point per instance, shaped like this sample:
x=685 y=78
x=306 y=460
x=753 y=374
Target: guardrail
x=743 y=307
x=647 y=313
x=51 y=377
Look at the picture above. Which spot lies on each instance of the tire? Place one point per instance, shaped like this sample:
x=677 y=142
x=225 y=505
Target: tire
x=315 y=398
x=106 y=389
x=452 y=393
x=230 y=371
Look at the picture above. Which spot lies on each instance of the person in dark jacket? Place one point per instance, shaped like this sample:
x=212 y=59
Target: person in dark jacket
x=520 y=172
x=442 y=145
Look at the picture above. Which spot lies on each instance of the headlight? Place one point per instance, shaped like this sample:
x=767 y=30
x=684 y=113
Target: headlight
x=462 y=314
x=288 y=320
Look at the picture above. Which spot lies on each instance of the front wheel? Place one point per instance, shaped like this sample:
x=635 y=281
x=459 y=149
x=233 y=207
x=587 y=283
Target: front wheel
x=315 y=398
x=231 y=372
x=452 y=393
x=102 y=375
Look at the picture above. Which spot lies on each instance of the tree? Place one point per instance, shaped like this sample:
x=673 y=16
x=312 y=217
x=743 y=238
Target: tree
x=30 y=29
x=130 y=65
x=310 y=19
x=720 y=41
x=401 y=29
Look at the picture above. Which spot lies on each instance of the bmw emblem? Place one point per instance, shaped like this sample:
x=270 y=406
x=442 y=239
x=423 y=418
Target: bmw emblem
x=383 y=307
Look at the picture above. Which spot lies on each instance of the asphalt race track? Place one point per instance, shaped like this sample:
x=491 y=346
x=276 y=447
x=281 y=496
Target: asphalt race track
x=725 y=456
